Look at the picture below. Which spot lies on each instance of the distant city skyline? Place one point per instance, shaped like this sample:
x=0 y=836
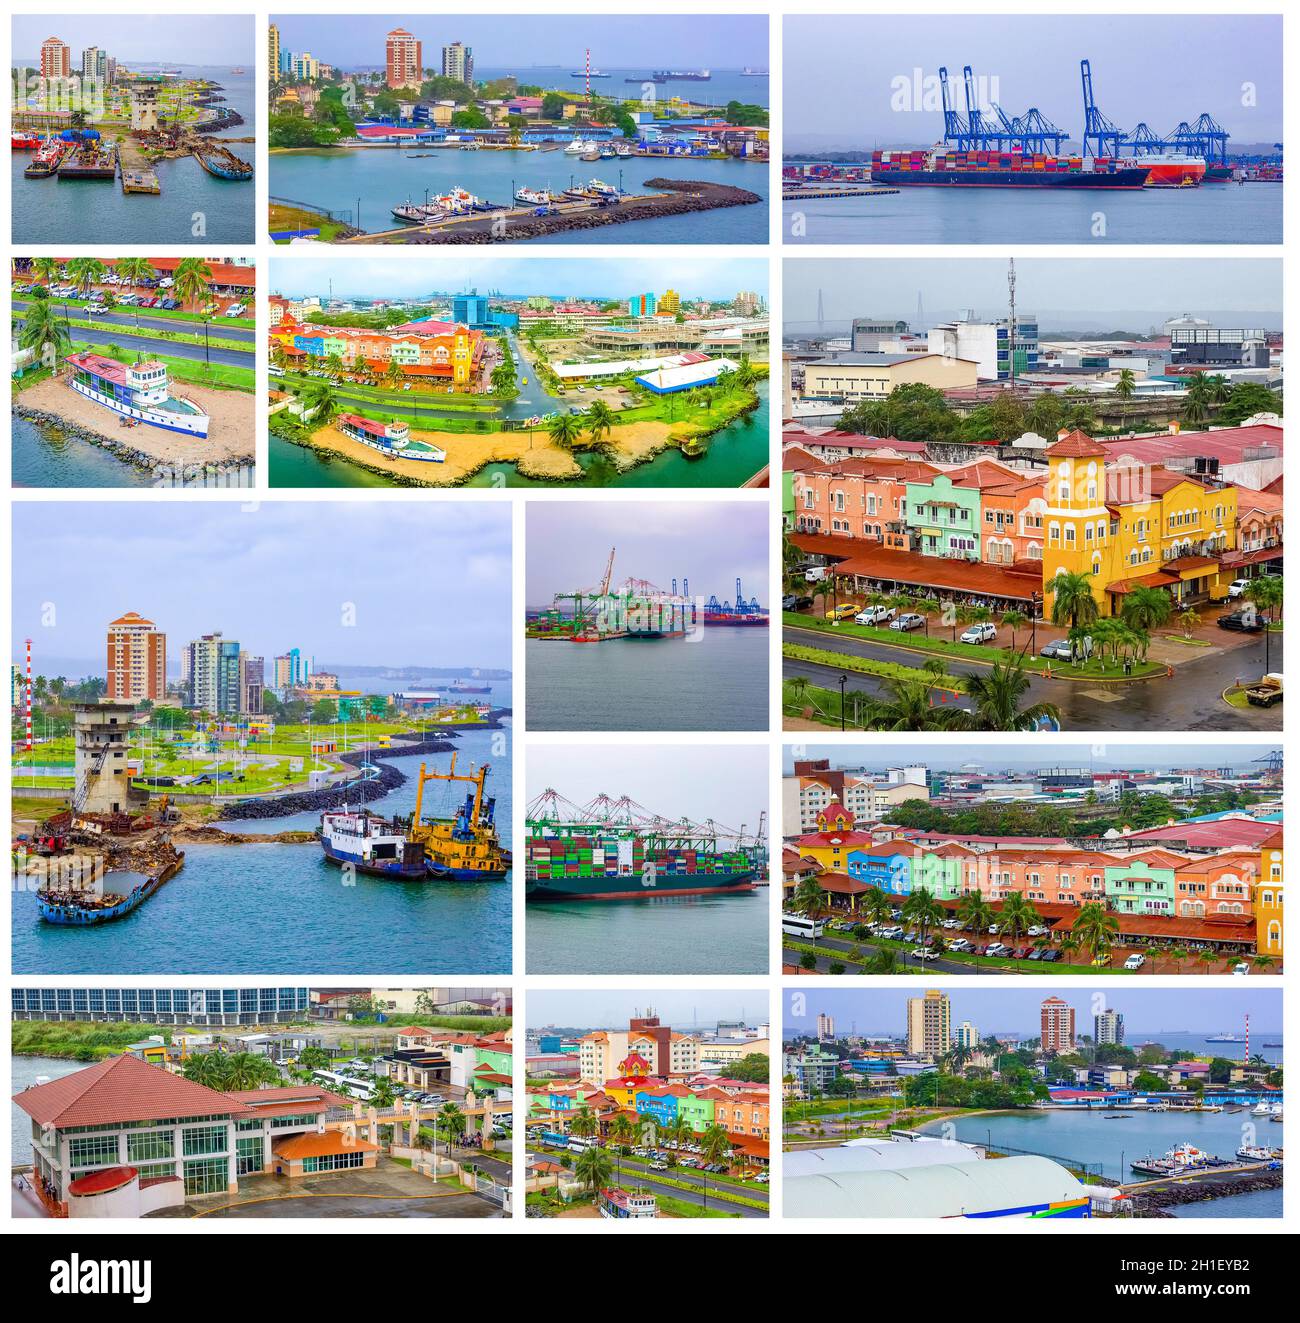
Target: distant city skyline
x=708 y=542
x=1147 y=1012
x=555 y=278
x=1112 y=756
x=608 y=1008
x=852 y=81
x=535 y=41
x=1065 y=294
x=140 y=38
x=350 y=582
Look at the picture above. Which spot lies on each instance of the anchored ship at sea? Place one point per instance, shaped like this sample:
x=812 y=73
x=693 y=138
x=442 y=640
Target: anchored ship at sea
x=614 y=849
x=370 y=844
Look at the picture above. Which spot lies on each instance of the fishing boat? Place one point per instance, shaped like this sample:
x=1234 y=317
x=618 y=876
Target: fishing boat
x=577 y=147
x=1258 y=1153
x=73 y=908
x=414 y=214
x=1183 y=1158
x=533 y=197
x=46 y=161
x=602 y=189
x=463 y=848
x=370 y=844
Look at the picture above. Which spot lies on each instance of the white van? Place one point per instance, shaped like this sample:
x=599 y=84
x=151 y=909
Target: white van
x=799 y=925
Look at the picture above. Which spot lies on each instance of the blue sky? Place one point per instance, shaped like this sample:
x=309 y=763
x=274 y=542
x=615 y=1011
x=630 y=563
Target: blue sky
x=840 y=72
x=707 y=542
x=141 y=38
x=1146 y=1011
x=606 y=1008
x=535 y=40
x=379 y=277
x=430 y=582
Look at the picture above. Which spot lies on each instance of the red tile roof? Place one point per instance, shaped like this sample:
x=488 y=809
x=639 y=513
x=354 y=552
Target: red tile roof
x=122 y=1089
x=319 y=1145
x=1076 y=444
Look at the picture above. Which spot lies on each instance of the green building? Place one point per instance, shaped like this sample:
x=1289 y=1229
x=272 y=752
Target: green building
x=943 y=519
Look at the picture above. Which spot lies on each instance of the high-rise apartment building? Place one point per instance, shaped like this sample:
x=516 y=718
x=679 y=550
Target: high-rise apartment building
x=137 y=660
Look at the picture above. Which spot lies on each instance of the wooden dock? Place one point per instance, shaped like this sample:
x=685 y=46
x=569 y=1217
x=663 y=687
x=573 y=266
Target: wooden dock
x=818 y=194
x=140 y=181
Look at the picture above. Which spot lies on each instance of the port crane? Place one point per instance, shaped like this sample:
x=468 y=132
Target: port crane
x=1206 y=137
x=1101 y=137
x=1031 y=132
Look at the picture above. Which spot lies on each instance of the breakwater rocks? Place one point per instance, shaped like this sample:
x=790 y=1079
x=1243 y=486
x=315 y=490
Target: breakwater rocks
x=1154 y=1203
x=387 y=779
x=60 y=427
x=681 y=198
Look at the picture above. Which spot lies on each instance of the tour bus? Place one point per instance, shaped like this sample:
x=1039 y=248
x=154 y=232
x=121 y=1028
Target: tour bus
x=343 y=1084
x=799 y=925
x=577 y=1144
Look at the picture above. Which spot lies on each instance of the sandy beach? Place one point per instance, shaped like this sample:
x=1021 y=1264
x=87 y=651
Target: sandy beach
x=231 y=434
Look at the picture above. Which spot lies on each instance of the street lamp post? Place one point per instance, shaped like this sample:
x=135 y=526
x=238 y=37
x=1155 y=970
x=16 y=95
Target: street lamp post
x=843 y=681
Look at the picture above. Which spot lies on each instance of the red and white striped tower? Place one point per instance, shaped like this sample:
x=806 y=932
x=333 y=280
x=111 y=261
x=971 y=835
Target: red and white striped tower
x=1246 y=1055
x=29 y=695
x=588 y=73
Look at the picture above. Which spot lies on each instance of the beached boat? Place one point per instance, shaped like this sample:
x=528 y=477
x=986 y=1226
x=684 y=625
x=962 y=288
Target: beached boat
x=82 y=909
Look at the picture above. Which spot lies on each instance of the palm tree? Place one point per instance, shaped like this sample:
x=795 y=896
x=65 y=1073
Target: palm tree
x=335 y=365
x=996 y=695
x=1197 y=401
x=85 y=272
x=622 y=1131
x=1013 y=620
x=875 y=906
x=907 y=704
x=564 y=429
x=584 y=1123
x=599 y=419
x=593 y=1169
x=134 y=270
x=1095 y=928
x=45 y=269
x=321 y=402
x=1146 y=608
x=715 y=1145
x=393 y=374
x=1072 y=600
x=1018 y=916
x=453 y=1120
x=191 y=280
x=1125 y=385
x=809 y=898
x=922 y=909
x=1189 y=619
x=1208 y=959
x=974 y=912
x=44 y=332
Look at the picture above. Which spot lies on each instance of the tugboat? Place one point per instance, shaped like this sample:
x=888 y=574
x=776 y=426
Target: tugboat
x=370 y=844
x=47 y=159
x=464 y=848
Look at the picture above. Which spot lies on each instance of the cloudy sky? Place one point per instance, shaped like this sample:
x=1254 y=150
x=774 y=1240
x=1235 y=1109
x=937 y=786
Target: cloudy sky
x=1102 y=756
x=1076 y=294
x=603 y=1008
x=424 y=273
x=536 y=40
x=140 y=38
x=1147 y=1012
x=727 y=783
x=707 y=542
x=360 y=582
x=841 y=72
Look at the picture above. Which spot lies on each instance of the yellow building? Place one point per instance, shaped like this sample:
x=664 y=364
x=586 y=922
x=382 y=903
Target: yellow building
x=834 y=839
x=1268 y=898
x=1133 y=526
x=670 y=304
x=855 y=377
x=273 y=52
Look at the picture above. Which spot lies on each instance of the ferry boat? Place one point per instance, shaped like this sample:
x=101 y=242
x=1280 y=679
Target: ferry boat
x=1185 y=1157
x=83 y=909
x=1258 y=1153
x=943 y=168
x=464 y=848
x=533 y=197
x=138 y=393
x=371 y=844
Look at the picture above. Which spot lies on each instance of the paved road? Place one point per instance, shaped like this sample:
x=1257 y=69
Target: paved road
x=172 y=348
x=218 y=327
x=1190 y=701
x=442 y=1205
x=833 y=946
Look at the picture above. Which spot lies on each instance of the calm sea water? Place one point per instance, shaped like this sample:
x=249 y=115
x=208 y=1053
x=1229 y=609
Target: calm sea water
x=725 y=84
x=735 y=455
x=687 y=935
x=1090 y=1137
x=281 y=908
x=49 y=457
x=26 y=1071
x=380 y=178
x=97 y=211
x=1213 y=213
x=717 y=683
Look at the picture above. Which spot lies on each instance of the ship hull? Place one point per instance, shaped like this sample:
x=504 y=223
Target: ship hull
x=73 y=916
x=394 y=869
x=561 y=889
x=1069 y=179
x=445 y=873
x=188 y=424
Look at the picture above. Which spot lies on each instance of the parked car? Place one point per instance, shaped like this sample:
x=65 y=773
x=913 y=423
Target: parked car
x=908 y=621
x=1101 y=961
x=1135 y=961
x=982 y=633
x=1051 y=955
x=1241 y=968
x=814 y=574
x=1238 y=587
x=1243 y=622
x=1058 y=651
x=924 y=953
x=961 y=944
x=997 y=949
x=796 y=602
x=841 y=612
x=658 y=1166
x=876 y=615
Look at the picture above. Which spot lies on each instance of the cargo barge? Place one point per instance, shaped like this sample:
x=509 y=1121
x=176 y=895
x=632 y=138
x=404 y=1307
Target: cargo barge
x=370 y=844
x=83 y=909
x=954 y=169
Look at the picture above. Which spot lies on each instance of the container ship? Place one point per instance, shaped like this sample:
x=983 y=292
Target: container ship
x=371 y=844
x=953 y=169
x=615 y=850
x=463 y=848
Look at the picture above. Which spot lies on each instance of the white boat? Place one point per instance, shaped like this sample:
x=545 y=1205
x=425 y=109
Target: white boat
x=602 y=189
x=533 y=197
x=1262 y=1108
x=1257 y=1153
x=577 y=147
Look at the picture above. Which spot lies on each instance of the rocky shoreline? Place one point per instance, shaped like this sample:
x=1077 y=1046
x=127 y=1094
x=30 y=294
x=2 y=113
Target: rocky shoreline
x=1156 y=1202
x=121 y=450
x=388 y=779
x=688 y=196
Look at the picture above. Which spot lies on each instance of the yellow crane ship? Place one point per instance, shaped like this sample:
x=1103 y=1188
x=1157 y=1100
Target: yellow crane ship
x=464 y=848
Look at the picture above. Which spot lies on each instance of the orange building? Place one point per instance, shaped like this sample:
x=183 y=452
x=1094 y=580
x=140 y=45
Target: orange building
x=137 y=660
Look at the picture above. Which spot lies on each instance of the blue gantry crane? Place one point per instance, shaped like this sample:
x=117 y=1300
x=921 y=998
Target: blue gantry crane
x=1206 y=137
x=1100 y=136
x=1030 y=132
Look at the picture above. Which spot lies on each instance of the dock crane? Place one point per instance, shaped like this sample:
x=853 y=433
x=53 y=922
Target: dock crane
x=1030 y=132
x=1100 y=136
x=954 y=127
